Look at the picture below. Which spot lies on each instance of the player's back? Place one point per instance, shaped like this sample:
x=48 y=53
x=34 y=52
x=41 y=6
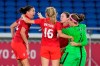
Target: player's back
x=78 y=33
x=49 y=34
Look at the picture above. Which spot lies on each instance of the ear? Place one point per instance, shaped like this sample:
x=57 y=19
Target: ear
x=27 y=12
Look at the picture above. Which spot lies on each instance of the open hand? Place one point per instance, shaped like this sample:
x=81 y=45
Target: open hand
x=40 y=15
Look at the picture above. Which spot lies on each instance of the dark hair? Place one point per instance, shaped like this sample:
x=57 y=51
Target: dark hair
x=82 y=17
x=67 y=14
x=78 y=17
x=23 y=10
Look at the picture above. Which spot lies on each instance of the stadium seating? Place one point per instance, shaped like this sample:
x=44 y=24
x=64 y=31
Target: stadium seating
x=91 y=8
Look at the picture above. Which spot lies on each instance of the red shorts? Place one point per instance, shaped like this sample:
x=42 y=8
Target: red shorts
x=19 y=49
x=52 y=53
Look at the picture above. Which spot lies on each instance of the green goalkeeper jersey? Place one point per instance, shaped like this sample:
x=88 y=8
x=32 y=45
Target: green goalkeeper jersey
x=79 y=35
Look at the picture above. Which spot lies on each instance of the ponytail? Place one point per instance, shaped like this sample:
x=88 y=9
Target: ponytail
x=52 y=14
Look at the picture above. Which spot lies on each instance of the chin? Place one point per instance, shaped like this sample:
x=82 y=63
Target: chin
x=62 y=22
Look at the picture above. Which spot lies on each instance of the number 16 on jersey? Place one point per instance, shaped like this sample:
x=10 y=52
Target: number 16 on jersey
x=48 y=33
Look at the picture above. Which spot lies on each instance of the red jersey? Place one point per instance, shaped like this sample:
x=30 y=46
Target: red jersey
x=63 y=41
x=49 y=32
x=21 y=23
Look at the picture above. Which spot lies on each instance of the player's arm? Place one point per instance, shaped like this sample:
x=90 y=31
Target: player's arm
x=75 y=44
x=40 y=15
x=62 y=49
x=23 y=35
x=31 y=21
x=84 y=41
x=22 y=32
x=27 y=20
x=63 y=35
x=12 y=28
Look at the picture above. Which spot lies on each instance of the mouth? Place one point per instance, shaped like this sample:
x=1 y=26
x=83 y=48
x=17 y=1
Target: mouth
x=33 y=15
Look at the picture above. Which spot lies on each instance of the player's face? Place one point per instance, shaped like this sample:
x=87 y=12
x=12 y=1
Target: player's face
x=31 y=12
x=46 y=15
x=63 y=18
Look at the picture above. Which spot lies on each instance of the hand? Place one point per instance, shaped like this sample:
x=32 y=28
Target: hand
x=74 y=43
x=71 y=38
x=40 y=15
x=62 y=49
x=28 y=50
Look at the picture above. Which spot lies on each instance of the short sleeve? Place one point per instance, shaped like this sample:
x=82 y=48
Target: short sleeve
x=38 y=21
x=25 y=25
x=17 y=21
x=58 y=26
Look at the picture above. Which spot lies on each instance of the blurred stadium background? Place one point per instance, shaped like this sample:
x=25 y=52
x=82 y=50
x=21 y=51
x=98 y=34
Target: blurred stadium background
x=9 y=14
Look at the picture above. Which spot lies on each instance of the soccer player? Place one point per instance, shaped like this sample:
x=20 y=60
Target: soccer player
x=75 y=53
x=50 y=47
x=19 y=42
x=64 y=21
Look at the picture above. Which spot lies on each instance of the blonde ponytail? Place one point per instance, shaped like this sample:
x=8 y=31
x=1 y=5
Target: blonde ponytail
x=52 y=14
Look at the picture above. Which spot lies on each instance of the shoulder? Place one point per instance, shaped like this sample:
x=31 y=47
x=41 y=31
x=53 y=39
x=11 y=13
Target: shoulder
x=47 y=19
x=83 y=25
x=18 y=20
x=58 y=22
x=43 y=19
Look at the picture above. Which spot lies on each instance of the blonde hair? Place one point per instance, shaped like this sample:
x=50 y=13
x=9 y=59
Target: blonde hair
x=52 y=14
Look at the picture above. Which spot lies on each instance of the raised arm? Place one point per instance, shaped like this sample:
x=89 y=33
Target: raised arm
x=31 y=21
x=40 y=15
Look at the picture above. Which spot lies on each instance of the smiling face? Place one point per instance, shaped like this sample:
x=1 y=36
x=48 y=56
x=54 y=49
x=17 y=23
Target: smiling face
x=63 y=18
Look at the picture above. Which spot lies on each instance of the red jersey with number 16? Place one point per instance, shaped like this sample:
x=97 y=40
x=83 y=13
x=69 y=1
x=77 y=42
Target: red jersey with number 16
x=49 y=32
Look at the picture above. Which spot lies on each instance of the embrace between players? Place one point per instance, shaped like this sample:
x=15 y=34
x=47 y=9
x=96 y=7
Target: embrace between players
x=62 y=42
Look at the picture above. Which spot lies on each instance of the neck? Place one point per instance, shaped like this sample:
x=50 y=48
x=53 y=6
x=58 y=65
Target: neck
x=65 y=23
x=27 y=15
x=75 y=24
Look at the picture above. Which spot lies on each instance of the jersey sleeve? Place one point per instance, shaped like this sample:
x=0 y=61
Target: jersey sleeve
x=38 y=21
x=24 y=24
x=17 y=21
x=66 y=31
x=84 y=40
x=59 y=26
